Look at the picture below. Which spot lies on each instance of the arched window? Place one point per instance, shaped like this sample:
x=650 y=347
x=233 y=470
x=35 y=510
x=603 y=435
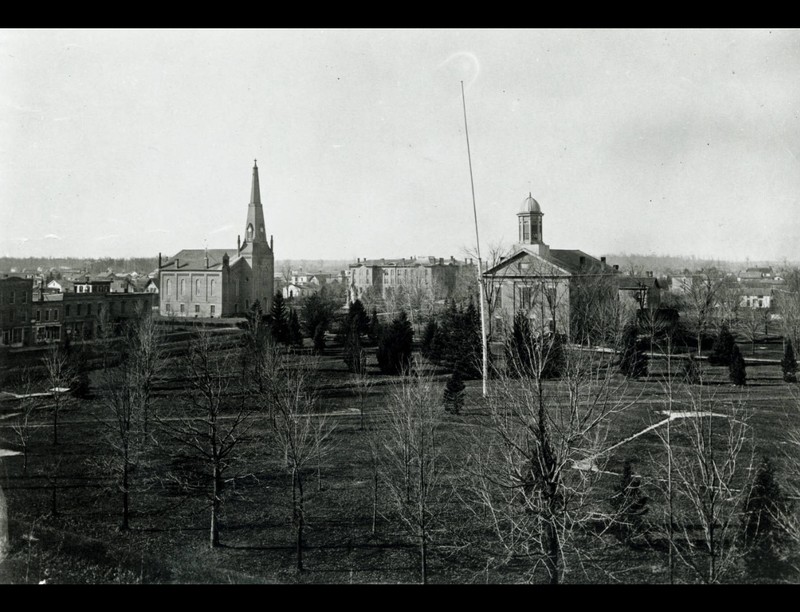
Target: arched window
x=249 y=232
x=213 y=286
x=183 y=286
x=169 y=286
x=197 y=287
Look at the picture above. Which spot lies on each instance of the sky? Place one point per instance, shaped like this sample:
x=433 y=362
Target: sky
x=119 y=143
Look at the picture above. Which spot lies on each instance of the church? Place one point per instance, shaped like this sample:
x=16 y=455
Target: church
x=222 y=282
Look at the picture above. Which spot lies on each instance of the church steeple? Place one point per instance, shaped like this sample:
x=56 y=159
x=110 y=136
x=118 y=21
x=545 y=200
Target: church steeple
x=255 y=191
x=254 y=229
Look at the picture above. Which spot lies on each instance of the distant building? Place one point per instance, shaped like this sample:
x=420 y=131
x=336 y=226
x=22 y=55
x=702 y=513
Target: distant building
x=16 y=294
x=385 y=276
x=221 y=282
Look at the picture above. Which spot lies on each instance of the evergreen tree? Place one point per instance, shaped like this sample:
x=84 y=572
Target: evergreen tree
x=317 y=313
x=691 y=371
x=81 y=386
x=374 y=332
x=353 y=353
x=519 y=349
x=358 y=315
x=553 y=354
x=633 y=359
x=295 y=332
x=280 y=319
x=722 y=350
x=429 y=340
x=319 y=338
x=468 y=347
x=453 y=397
x=763 y=533
x=629 y=504
x=736 y=369
x=789 y=363
x=395 y=346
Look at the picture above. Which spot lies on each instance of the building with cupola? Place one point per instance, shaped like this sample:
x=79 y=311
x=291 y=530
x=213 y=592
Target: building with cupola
x=208 y=283
x=538 y=281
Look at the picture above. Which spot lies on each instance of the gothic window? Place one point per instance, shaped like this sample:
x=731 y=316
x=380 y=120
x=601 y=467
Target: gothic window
x=183 y=286
x=169 y=286
x=213 y=286
x=249 y=232
x=197 y=287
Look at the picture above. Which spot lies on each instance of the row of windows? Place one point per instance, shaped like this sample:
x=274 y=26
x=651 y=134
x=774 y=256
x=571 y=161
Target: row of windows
x=12 y=296
x=12 y=336
x=182 y=307
x=198 y=287
x=49 y=313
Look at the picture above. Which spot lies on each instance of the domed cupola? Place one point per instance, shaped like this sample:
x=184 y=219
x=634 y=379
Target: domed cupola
x=530 y=221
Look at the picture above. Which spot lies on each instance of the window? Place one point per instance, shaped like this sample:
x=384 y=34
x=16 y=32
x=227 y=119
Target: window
x=183 y=286
x=213 y=286
x=66 y=310
x=197 y=287
x=16 y=336
x=169 y=307
x=212 y=307
x=526 y=297
x=197 y=308
x=169 y=286
x=38 y=314
x=11 y=297
x=80 y=307
x=47 y=314
x=88 y=310
x=183 y=308
x=24 y=297
x=55 y=314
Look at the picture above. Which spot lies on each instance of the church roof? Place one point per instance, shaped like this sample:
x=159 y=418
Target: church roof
x=195 y=259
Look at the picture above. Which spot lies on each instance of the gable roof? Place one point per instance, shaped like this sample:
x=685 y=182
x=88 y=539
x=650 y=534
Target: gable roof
x=195 y=259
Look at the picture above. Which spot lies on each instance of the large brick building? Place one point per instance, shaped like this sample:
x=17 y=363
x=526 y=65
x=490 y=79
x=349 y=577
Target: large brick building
x=221 y=282
x=16 y=294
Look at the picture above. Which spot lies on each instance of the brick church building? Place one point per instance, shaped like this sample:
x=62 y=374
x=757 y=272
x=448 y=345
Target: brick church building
x=222 y=282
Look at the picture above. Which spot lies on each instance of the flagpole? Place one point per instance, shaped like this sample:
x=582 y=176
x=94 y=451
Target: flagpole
x=484 y=347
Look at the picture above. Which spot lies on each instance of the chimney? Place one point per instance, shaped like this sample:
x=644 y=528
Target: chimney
x=270 y=242
x=177 y=263
x=206 y=259
x=602 y=260
x=441 y=261
x=616 y=266
x=159 y=261
x=238 y=243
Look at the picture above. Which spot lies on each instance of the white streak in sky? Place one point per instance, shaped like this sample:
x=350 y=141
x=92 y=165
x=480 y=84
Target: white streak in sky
x=466 y=63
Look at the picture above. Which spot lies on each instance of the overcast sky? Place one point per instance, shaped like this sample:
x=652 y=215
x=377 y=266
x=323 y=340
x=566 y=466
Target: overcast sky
x=134 y=142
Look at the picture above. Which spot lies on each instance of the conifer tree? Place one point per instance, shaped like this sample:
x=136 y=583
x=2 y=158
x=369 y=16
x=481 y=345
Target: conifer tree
x=722 y=350
x=429 y=341
x=633 y=359
x=453 y=397
x=295 y=332
x=789 y=363
x=763 y=533
x=280 y=320
x=395 y=346
x=736 y=369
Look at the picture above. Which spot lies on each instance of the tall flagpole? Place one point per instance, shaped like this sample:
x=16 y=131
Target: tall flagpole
x=484 y=346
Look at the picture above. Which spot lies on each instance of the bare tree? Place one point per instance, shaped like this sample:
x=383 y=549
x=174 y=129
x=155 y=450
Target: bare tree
x=146 y=358
x=60 y=376
x=22 y=425
x=750 y=326
x=302 y=434
x=711 y=458
x=211 y=421
x=412 y=463
x=362 y=382
x=702 y=299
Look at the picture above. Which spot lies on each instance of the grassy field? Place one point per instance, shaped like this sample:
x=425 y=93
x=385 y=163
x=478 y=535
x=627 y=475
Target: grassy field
x=169 y=534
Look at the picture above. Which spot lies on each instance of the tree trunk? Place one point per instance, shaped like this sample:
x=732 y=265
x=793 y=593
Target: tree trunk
x=55 y=424
x=215 y=509
x=374 y=500
x=124 y=525
x=297 y=494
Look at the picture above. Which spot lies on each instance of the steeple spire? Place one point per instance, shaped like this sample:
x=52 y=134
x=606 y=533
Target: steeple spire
x=255 y=192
